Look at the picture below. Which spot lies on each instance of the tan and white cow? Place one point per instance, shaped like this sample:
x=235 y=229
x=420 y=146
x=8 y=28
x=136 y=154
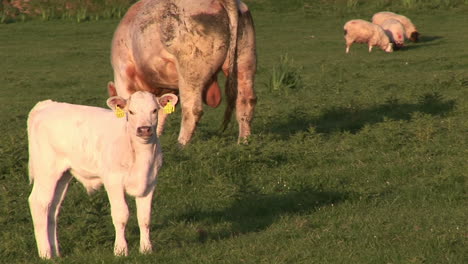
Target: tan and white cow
x=179 y=47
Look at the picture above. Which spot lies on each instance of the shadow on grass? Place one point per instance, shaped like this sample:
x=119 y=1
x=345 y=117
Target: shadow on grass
x=424 y=38
x=352 y=119
x=416 y=46
x=423 y=42
x=256 y=212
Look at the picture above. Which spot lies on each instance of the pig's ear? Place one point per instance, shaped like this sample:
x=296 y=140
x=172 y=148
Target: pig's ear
x=111 y=89
x=164 y=99
x=115 y=101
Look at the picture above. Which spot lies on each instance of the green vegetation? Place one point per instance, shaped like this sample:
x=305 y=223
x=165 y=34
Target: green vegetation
x=364 y=161
x=79 y=10
x=285 y=76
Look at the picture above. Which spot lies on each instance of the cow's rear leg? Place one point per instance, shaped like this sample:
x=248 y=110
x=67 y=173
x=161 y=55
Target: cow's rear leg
x=192 y=108
x=43 y=202
x=246 y=68
x=245 y=103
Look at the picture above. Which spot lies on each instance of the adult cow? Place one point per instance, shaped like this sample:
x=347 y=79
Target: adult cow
x=179 y=47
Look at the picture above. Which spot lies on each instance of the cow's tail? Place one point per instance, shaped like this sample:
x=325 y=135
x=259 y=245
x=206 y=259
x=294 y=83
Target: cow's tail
x=232 y=9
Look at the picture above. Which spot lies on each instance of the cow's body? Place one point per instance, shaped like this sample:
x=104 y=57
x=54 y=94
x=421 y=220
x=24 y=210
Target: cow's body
x=179 y=46
x=97 y=148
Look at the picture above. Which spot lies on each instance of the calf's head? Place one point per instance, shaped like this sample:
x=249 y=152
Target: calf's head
x=141 y=110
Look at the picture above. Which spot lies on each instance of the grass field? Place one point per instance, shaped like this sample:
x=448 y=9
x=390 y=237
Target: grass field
x=364 y=161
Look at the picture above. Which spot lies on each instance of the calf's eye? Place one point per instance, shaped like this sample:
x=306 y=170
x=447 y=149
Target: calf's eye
x=131 y=112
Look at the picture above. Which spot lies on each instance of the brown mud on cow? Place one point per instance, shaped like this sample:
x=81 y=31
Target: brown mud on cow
x=179 y=47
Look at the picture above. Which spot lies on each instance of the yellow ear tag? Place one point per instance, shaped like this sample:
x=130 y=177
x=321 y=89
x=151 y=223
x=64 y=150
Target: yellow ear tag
x=119 y=113
x=169 y=108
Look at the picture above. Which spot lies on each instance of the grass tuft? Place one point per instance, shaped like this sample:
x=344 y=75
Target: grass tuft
x=285 y=76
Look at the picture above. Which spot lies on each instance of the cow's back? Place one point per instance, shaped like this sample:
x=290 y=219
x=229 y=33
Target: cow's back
x=157 y=38
x=165 y=34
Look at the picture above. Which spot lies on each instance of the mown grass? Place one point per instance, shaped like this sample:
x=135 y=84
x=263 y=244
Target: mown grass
x=364 y=162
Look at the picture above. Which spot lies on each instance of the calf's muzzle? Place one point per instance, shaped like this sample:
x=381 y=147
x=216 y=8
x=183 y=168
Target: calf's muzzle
x=144 y=131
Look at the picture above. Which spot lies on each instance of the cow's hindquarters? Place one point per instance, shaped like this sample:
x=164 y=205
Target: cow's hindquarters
x=246 y=65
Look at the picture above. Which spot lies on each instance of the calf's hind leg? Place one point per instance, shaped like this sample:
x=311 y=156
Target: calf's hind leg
x=44 y=200
x=60 y=191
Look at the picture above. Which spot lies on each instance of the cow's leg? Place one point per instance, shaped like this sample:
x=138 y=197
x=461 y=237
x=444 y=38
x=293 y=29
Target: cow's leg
x=119 y=212
x=60 y=190
x=144 y=220
x=122 y=83
x=246 y=68
x=192 y=108
x=161 y=122
x=246 y=101
x=41 y=202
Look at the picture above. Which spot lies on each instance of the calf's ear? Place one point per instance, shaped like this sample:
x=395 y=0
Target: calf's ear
x=115 y=101
x=164 y=99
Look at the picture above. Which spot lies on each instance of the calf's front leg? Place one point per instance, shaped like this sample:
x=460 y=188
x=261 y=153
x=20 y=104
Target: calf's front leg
x=119 y=212
x=144 y=220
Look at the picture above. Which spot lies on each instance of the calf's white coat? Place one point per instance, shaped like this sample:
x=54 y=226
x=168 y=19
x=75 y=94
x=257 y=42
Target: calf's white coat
x=97 y=148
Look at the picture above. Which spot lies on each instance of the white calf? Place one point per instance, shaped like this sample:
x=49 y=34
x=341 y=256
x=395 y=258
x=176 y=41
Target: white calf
x=97 y=148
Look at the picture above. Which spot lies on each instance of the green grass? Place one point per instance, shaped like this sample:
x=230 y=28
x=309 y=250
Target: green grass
x=366 y=162
x=77 y=10
x=285 y=76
